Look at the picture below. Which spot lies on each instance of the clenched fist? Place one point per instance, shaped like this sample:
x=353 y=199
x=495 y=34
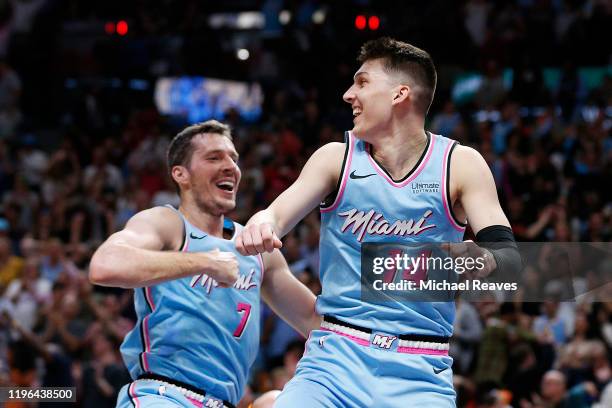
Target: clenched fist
x=222 y=267
x=484 y=261
x=256 y=239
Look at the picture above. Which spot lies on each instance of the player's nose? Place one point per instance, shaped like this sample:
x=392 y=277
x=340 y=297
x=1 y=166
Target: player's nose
x=349 y=95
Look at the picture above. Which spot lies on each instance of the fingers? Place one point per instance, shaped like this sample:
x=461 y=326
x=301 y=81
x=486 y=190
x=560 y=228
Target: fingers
x=478 y=266
x=247 y=242
x=257 y=239
x=278 y=244
x=223 y=267
x=240 y=245
x=266 y=243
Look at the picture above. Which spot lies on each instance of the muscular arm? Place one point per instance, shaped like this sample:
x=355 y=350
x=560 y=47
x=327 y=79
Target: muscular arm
x=146 y=252
x=287 y=296
x=478 y=197
x=475 y=189
x=317 y=180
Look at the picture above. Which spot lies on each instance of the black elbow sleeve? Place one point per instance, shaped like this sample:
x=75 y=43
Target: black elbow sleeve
x=499 y=239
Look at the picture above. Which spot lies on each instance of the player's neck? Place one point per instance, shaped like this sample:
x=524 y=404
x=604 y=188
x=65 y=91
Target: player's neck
x=209 y=223
x=400 y=150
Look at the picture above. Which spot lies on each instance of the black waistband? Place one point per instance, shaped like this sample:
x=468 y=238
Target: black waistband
x=408 y=337
x=158 y=377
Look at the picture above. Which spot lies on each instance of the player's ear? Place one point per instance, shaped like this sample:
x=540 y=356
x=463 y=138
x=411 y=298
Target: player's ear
x=401 y=93
x=180 y=174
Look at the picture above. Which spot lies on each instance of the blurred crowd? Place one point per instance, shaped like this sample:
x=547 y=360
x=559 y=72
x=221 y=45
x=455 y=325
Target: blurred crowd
x=550 y=151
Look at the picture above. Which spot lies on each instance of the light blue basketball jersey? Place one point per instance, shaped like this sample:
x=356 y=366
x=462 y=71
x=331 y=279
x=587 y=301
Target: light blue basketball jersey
x=192 y=331
x=371 y=207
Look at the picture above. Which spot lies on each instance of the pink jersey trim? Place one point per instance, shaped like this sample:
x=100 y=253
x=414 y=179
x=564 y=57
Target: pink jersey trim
x=355 y=339
x=195 y=402
x=452 y=221
x=413 y=176
x=132 y=394
x=416 y=350
x=150 y=297
x=347 y=167
x=147 y=340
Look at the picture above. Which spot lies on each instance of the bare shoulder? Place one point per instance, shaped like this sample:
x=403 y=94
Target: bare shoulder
x=324 y=166
x=468 y=165
x=331 y=153
x=162 y=223
x=465 y=154
x=332 y=148
x=330 y=156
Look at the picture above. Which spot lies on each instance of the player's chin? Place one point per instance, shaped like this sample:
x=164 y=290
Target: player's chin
x=227 y=204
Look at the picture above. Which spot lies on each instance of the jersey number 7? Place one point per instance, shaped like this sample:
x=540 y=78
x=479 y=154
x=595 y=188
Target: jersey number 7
x=245 y=309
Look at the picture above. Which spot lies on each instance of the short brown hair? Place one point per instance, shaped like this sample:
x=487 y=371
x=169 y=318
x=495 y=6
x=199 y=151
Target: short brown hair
x=180 y=149
x=401 y=57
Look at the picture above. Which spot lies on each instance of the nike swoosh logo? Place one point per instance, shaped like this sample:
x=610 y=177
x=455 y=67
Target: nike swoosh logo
x=195 y=237
x=356 y=177
x=440 y=370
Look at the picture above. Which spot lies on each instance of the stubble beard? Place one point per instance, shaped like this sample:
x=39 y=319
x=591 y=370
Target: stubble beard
x=212 y=206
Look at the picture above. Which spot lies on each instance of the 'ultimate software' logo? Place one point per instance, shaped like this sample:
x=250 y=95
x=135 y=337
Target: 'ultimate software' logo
x=425 y=187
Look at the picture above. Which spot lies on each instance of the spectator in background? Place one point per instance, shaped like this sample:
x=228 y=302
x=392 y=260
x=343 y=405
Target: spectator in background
x=32 y=161
x=555 y=394
x=108 y=318
x=524 y=373
x=57 y=370
x=445 y=122
x=63 y=174
x=492 y=90
x=550 y=326
x=10 y=265
x=63 y=324
x=28 y=293
x=24 y=201
x=467 y=333
x=104 y=374
x=475 y=20
x=54 y=262
x=102 y=172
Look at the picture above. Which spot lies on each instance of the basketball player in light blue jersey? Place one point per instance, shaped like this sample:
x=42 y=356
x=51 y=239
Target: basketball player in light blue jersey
x=196 y=299
x=391 y=181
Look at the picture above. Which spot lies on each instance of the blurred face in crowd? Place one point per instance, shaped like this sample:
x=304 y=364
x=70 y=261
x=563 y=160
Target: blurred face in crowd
x=101 y=345
x=70 y=306
x=371 y=98
x=30 y=269
x=111 y=304
x=581 y=325
x=212 y=175
x=54 y=249
x=553 y=386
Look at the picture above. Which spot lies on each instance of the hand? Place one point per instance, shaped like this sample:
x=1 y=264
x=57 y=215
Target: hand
x=481 y=258
x=256 y=239
x=222 y=267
